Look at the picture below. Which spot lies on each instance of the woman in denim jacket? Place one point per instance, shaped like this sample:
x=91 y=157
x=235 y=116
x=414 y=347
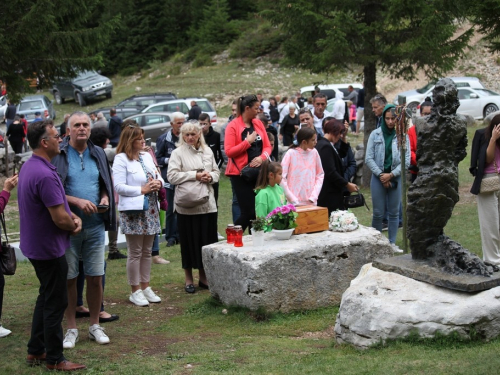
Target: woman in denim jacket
x=384 y=160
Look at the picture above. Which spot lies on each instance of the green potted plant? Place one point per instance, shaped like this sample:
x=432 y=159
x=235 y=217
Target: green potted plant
x=258 y=227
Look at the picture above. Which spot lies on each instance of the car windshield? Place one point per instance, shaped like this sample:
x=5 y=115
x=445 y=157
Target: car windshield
x=484 y=92
x=426 y=88
x=31 y=105
x=205 y=106
x=86 y=74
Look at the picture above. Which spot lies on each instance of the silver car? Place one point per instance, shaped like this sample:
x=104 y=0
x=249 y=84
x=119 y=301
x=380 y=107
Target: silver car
x=183 y=105
x=32 y=104
x=154 y=123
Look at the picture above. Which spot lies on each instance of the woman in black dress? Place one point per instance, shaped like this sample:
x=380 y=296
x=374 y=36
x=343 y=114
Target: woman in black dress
x=331 y=195
x=289 y=126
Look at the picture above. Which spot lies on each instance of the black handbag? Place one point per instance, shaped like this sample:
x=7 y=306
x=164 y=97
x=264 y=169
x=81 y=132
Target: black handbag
x=248 y=173
x=353 y=201
x=8 y=260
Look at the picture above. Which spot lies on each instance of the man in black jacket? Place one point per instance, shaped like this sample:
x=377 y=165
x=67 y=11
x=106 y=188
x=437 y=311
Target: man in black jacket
x=115 y=127
x=195 y=111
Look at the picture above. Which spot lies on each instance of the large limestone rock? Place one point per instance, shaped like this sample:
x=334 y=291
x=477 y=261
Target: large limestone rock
x=383 y=305
x=306 y=272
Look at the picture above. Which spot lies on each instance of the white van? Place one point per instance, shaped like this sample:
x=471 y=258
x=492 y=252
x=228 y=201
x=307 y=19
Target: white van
x=330 y=90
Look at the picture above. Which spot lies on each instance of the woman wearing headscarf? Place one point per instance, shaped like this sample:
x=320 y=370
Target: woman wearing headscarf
x=384 y=160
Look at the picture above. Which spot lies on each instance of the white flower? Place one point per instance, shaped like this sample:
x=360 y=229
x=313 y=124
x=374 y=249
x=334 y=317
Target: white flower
x=343 y=221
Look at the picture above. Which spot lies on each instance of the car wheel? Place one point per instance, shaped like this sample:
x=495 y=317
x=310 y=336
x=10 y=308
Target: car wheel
x=80 y=99
x=59 y=99
x=490 y=108
x=413 y=106
x=109 y=95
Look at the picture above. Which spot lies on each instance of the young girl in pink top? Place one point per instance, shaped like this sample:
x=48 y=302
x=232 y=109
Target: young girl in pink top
x=302 y=171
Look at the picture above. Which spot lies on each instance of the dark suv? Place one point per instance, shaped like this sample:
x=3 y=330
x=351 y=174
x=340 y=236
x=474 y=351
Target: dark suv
x=86 y=85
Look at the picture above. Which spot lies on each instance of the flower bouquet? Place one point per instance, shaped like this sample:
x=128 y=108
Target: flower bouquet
x=343 y=221
x=282 y=221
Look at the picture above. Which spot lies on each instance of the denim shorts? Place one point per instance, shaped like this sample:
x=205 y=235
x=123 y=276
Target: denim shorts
x=88 y=246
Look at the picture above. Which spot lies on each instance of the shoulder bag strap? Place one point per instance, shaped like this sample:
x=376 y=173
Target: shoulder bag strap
x=2 y=218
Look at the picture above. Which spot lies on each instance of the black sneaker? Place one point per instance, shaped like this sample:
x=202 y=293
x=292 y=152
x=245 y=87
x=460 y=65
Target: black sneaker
x=116 y=255
x=171 y=242
x=385 y=227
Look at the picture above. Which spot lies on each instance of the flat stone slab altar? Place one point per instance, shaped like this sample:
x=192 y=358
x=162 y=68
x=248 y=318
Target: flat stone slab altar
x=306 y=272
x=422 y=271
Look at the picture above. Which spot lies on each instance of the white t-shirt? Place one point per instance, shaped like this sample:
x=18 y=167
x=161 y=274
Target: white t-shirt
x=318 y=122
x=338 y=109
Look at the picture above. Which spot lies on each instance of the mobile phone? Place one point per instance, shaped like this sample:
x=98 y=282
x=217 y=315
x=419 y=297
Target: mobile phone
x=148 y=142
x=102 y=206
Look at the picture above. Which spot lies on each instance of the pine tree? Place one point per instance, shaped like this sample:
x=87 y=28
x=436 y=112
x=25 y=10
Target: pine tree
x=398 y=36
x=48 y=38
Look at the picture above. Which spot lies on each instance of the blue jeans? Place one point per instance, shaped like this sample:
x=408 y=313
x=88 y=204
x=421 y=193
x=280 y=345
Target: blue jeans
x=235 y=206
x=382 y=196
x=171 y=218
x=386 y=215
x=88 y=245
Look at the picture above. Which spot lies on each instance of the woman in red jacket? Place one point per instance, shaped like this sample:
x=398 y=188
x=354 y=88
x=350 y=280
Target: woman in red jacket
x=245 y=143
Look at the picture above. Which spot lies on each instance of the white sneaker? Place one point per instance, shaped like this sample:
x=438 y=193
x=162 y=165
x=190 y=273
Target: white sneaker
x=96 y=332
x=70 y=339
x=4 y=332
x=396 y=249
x=138 y=299
x=220 y=237
x=150 y=295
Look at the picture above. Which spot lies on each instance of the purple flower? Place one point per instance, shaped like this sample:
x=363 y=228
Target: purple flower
x=285 y=210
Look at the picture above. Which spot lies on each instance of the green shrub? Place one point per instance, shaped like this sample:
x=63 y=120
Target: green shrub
x=260 y=41
x=128 y=71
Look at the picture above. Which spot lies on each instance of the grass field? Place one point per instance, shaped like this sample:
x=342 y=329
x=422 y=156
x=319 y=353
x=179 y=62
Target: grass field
x=190 y=334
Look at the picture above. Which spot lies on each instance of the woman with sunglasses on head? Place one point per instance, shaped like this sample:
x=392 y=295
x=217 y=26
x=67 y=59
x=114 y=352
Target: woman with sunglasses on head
x=246 y=144
x=334 y=183
x=384 y=160
x=137 y=182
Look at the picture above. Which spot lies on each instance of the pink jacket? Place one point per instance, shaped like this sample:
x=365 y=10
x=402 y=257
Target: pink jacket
x=302 y=176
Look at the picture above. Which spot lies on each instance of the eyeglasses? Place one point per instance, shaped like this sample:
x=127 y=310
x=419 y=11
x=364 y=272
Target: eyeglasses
x=81 y=159
x=57 y=136
x=84 y=124
x=133 y=126
x=304 y=110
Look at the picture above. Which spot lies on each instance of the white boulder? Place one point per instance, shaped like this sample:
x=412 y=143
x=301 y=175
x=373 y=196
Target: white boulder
x=383 y=305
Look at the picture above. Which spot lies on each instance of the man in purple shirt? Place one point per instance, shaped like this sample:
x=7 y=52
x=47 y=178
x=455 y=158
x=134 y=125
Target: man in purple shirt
x=46 y=223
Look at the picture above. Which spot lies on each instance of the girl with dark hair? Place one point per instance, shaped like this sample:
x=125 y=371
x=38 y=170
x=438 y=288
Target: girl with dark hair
x=334 y=184
x=269 y=193
x=485 y=162
x=302 y=170
x=246 y=144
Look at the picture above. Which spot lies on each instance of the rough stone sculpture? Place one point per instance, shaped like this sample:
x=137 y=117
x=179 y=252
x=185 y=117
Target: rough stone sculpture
x=383 y=305
x=442 y=142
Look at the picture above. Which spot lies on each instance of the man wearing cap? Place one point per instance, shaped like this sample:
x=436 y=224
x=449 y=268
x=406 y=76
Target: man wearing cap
x=38 y=117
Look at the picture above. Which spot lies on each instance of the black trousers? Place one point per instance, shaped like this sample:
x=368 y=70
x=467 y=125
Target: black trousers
x=246 y=199
x=46 y=328
x=2 y=285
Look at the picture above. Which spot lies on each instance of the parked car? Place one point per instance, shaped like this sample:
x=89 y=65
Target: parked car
x=330 y=90
x=145 y=100
x=477 y=103
x=3 y=105
x=183 y=105
x=87 y=85
x=414 y=97
x=29 y=105
x=122 y=113
x=153 y=123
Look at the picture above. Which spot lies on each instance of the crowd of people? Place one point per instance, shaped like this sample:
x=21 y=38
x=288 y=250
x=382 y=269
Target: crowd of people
x=317 y=169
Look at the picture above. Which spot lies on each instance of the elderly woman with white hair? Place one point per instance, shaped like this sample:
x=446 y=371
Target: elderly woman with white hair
x=192 y=168
x=289 y=125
